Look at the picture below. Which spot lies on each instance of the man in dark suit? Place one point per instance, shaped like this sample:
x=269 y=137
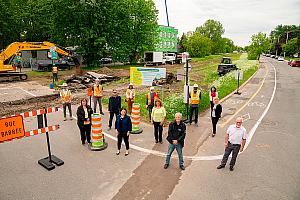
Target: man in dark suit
x=114 y=106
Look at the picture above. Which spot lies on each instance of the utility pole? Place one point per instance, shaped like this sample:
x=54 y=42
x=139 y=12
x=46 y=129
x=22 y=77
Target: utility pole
x=167 y=12
x=277 y=45
x=287 y=37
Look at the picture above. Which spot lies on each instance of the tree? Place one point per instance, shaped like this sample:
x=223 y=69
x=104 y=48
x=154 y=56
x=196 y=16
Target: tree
x=259 y=44
x=211 y=29
x=199 y=45
x=292 y=47
x=183 y=42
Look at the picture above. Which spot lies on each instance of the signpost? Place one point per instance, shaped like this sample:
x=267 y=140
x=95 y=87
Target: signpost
x=187 y=67
x=238 y=77
x=11 y=128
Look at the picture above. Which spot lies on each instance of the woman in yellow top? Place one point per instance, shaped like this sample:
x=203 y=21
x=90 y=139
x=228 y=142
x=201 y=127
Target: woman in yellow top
x=158 y=116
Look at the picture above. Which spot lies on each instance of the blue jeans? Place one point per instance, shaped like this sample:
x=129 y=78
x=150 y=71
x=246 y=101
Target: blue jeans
x=179 y=151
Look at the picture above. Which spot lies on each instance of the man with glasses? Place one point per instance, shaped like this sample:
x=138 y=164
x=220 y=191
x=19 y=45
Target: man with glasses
x=235 y=141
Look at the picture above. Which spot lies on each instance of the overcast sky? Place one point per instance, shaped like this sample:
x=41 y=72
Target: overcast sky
x=240 y=18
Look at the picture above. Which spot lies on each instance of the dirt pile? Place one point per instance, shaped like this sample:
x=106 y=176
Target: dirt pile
x=87 y=80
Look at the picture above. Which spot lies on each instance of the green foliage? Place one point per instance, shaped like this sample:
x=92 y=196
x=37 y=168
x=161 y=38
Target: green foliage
x=211 y=29
x=259 y=44
x=121 y=29
x=292 y=47
x=199 y=46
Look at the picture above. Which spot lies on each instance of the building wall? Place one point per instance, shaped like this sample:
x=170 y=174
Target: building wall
x=166 y=39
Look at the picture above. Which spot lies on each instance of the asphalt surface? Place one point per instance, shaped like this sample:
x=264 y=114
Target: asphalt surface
x=268 y=169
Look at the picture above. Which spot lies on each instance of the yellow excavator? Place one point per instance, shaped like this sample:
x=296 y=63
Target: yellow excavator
x=8 y=54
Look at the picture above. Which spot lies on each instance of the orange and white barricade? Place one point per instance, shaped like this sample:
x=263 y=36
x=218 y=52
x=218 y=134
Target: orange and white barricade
x=136 y=119
x=98 y=141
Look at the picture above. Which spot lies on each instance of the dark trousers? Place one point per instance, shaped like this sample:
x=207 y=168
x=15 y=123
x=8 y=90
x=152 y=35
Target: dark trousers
x=65 y=105
x=85 y=133
x=55 y=76
x=158 y=129
x=234 y=148
x=123 y=136
x=214 y=121
x=150 y=107
x=211 y=105
x=111 y=116
x=192 y=109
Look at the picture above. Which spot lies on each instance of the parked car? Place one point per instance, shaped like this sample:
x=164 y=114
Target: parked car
x=170 y=58
x=276 y=57
x=46 y=65
x=268 y=55
x=225 y=66
x=272 y=56
x=280 y=58
x=295 y=63
x=106 y=60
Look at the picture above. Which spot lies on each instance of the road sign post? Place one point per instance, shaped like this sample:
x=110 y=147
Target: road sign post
x=238 y=77
x=187 y=67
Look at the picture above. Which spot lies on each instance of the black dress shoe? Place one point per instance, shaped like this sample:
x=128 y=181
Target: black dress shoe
x=161 y=142
x=156 y=141
x=220 y=166
x=213 y=135
x=231 y=168
x=166 y=166
x=182 y=167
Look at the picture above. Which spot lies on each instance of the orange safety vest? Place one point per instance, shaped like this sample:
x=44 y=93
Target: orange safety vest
x=149 y=97
x=66 y=96
x=55 y=70
x=128 y=94
x=98 y=91
x=195 y=97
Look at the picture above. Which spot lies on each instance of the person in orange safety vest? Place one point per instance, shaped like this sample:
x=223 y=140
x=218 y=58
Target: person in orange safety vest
x=66 y=99
x=195 y=96
x=98 y=94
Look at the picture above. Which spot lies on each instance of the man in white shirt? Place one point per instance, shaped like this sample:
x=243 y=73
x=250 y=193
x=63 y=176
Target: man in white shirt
x=235 y=141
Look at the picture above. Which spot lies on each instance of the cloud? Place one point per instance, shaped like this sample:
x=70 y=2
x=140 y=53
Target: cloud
x=240 y=18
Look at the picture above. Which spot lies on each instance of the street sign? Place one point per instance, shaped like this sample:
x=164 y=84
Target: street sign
x=180 y=74
x=239 y=75
x=187 y=90
x=54 y=55
x=189 y=67
x=11 y=128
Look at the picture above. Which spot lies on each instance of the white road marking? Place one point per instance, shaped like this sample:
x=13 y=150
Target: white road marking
x=27 y=92
x=198 y=158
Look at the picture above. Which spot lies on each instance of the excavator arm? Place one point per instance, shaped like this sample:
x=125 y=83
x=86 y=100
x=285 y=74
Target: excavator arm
x=8 y=70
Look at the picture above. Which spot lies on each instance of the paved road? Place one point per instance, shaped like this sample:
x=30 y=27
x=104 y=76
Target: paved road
x=269 y=168
x=18 y=90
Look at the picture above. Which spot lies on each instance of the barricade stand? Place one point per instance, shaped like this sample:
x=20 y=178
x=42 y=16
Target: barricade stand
x=98 y=141
x=12 y=127
x=136 y=119
x=48 y=161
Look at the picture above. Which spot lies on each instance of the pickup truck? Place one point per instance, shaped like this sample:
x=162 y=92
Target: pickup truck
x=226 y=66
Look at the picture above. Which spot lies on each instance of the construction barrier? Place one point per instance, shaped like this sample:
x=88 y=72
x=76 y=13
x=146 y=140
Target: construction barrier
x=98 y=141
x=12 y=127
x=136 y=119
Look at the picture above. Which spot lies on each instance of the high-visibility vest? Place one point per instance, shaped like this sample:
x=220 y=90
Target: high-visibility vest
x=128 y=94
x=149 y=97
x=195 y=97
x=66 y=95
x=55 y=70
x=98 y=91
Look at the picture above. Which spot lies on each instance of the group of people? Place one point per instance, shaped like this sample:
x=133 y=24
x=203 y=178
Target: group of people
x=235 y=135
